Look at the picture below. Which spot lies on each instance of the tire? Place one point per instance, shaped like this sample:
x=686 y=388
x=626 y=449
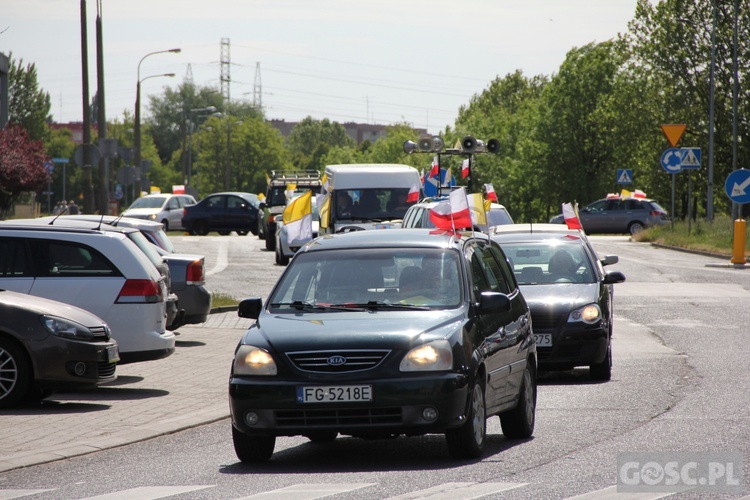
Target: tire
x=200 y=227
x=602 y=371
x=281 y=259
x=260 y=232
x=15 y=374
x=636 y=227
x=223 y=233
x=242 y=233
x=468 y=440
x=518 y=423
x=270 y=242
x=252 y=448
x=322 y=436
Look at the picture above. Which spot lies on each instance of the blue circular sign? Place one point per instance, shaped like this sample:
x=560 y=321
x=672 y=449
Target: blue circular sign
x=671 y=160
x=737 y=186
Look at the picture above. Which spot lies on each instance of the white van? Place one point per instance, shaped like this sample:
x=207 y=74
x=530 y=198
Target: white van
x=367 y=196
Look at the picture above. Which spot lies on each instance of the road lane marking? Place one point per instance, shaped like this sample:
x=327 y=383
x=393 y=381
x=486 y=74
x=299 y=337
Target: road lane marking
x=308 y=491
x=458 y=491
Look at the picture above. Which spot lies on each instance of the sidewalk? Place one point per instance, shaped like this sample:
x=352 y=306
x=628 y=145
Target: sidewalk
x=148 y=399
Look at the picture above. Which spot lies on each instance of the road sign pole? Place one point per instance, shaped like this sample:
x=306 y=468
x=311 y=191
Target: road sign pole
x=673 y=214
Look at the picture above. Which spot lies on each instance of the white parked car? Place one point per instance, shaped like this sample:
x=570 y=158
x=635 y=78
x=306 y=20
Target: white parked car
x=103 y=272
x=164 y=208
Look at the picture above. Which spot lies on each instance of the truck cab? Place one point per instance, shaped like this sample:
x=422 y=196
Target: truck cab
x=283 y=185
x=367 y=196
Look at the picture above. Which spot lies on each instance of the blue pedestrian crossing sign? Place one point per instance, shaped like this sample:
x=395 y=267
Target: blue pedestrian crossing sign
x=624 y=176
x=691 y=158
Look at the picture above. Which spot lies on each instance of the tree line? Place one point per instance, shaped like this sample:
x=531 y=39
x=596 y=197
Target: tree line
x=563 y=136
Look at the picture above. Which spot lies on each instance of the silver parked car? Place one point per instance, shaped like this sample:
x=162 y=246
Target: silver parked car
x=165 y=208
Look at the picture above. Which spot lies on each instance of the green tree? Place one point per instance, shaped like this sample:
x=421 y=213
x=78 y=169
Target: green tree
x=254 y=149
x=580 y=144
x=28 y=106
x=672 y=38
x=310 y=141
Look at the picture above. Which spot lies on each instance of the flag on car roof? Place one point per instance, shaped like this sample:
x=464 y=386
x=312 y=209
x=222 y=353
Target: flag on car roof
x=447 y=178
x=465 y=168
x=477 y=208
x=435 y=170
x=323 y=202
x=570 y=215
x=452 y=214
x=297 y=218
x=490 y=192
x=413 y=195
x=639 y=194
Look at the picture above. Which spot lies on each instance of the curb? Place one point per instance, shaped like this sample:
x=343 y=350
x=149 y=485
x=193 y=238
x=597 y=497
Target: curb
x=223 y=309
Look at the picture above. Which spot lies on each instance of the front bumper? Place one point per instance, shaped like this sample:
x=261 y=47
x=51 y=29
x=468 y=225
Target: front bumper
x=72 y=364
x=580 y=345
x=396 y=408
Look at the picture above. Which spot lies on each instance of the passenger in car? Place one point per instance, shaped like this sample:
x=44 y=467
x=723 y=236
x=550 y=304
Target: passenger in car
x=562 y=266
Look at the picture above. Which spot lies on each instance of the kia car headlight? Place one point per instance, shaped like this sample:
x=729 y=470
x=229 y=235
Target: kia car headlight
x=66 y=328
x=251 y=360
x=436 y=355
x=589 y=314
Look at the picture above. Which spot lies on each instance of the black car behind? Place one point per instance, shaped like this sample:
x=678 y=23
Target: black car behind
x=570 y=295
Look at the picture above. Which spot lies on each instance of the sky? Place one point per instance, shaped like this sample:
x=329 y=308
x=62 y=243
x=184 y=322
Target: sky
x=380 y=61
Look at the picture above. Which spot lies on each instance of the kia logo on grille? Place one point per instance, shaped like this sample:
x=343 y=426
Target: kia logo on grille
x=337 y=360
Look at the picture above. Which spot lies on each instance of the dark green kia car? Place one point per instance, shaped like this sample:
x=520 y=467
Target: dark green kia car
x=384 y=333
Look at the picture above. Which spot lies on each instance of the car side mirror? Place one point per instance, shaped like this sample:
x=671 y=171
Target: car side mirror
x=250 y=308
x=494 y=302
x=261 y=206
x=613 y=277
x=608 y=260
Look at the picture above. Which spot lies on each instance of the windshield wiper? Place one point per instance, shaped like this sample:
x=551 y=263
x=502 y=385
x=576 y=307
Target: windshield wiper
x=376 y=304
x=301 y=305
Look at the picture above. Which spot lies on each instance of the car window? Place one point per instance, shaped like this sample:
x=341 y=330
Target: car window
x=362 y=276
x=148 y=202
x=13 y=259
x=498 y=216
x=173 y=204
x=486 y=271
x=215 y=202
x=632 y=205
x=58 y=259
x=539 y=262
x=235 y=202
x=146 y=247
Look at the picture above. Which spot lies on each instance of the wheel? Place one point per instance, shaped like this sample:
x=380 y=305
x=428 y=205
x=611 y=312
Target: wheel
x=165 y=223
x=260 y=232
x=281 y=259
x=468 y=440
x=15 y=374
x=322 y=436
x=270 y=242
x=635 y=227
x=200 y=227
x=252 y=448
x=223 y=233
x=602 y=371
x=518 y=423
x=242 y=233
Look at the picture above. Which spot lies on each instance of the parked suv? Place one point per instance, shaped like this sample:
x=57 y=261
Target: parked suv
x=103 y=272
x=164 y=208
x=615 y=215
x=379 y=334
x=186 y=271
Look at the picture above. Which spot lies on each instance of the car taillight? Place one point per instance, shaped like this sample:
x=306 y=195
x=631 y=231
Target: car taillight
x=140 y=292
x=657 y=213
x=195 y=274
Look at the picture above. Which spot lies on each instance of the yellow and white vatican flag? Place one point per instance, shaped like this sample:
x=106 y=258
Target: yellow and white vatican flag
x=477 y=208
x=297 y=219
x=323 y=202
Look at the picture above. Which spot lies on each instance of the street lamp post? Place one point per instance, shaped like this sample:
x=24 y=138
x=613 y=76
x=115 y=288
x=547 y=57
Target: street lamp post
x=209 y=109
x=137 y=155
x=711 y=90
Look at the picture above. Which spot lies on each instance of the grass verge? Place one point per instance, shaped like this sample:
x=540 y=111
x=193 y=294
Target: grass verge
x=712 y=237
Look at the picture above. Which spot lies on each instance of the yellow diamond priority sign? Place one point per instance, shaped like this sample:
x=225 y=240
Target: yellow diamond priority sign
x=673 y=133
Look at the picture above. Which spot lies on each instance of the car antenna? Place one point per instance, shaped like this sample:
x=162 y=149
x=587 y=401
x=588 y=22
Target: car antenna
x=52 y=222
x=117 y=219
